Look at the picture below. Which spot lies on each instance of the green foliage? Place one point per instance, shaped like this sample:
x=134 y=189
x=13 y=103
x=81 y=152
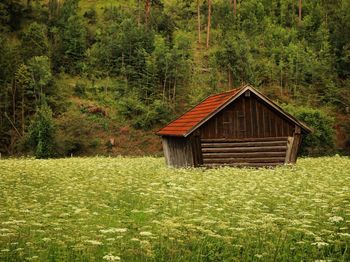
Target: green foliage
x=3 y=59
x=80 y=89
x=346 y=148
x=339 y=25
x=251 y=14
x=168 y=66
x=39 y=68
x=42 y=133
x=77 y=133
x=234 y=56
x=23 y=77
x=34 y=41
x=68 y=9
x=90 y=14
x=143 y=116
x=11 y=14
x=74 y=44
x=321 y=140
x=122 y=49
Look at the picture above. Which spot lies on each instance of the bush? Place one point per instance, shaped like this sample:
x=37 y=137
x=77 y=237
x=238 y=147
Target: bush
x=144 y=116
x=41 y=133
x=321 y=140
x=80 y=89
x=73 y=133
x=91 y=15
x=346 y=149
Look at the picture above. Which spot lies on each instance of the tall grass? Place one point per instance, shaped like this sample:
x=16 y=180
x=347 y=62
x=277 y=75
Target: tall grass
x=137 y=209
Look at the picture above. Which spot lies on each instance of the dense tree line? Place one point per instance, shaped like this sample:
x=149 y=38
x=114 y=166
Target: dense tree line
x=162 y=56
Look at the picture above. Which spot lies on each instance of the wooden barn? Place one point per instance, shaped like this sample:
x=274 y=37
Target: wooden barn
x=241 y=127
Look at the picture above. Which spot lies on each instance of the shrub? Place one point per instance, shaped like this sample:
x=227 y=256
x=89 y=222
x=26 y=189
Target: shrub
x=321 y=140
x=144 y=116
x=80 y=89
x=41 y=133
x=346 y=148
x=95 y=143
x=90 y=14
x=73 y=133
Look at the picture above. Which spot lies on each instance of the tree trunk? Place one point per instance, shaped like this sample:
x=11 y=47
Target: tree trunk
x=199 y=22
x=174 y=90
x=165 y=79
x=14 y=101
x=22 y=113
x=234 y=7
x=300 y=7
x=138 y=13
x=209 y=23
x=147 y=11
x=229 y=73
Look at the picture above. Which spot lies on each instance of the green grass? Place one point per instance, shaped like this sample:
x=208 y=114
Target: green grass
x=137 y=209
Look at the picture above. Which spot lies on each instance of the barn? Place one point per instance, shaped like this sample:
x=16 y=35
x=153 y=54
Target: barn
x=240 y=127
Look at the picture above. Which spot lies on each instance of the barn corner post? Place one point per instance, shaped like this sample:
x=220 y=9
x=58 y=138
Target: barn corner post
x=196 y=149
x=293 y=146
x=166 y=150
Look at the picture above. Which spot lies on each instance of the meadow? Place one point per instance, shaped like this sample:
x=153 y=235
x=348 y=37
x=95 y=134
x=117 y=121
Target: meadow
x=137 y=209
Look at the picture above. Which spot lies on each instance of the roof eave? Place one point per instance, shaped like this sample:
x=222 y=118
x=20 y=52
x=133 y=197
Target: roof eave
x=158 y=134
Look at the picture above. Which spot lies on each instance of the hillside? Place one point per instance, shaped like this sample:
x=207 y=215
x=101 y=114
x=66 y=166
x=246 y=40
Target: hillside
x=99 y=77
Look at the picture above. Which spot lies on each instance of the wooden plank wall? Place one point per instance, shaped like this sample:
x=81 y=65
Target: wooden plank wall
x=195 y=141
x=178 y=151
x=254 y=152
x=247 y=117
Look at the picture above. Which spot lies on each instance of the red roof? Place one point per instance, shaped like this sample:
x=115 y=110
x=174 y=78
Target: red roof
x=185 y=123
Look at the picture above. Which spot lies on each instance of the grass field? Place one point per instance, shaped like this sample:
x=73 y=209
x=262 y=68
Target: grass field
x=137 y=209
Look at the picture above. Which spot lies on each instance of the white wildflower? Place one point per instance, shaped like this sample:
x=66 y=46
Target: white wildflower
x=111 y=239
x=146 y=234
x=344 y=234
x=111 y=258
x=94 y=242
x=320 y=244
x=113 y=230
x=336 y=219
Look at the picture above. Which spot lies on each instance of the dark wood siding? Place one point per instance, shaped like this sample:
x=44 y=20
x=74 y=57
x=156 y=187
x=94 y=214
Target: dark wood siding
x=247 y=117
x=270 y=151
x=177 y=151
x=195 y=141
x=183 y=152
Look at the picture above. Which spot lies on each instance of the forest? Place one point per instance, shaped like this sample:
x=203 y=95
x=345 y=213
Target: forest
x=101 y=76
